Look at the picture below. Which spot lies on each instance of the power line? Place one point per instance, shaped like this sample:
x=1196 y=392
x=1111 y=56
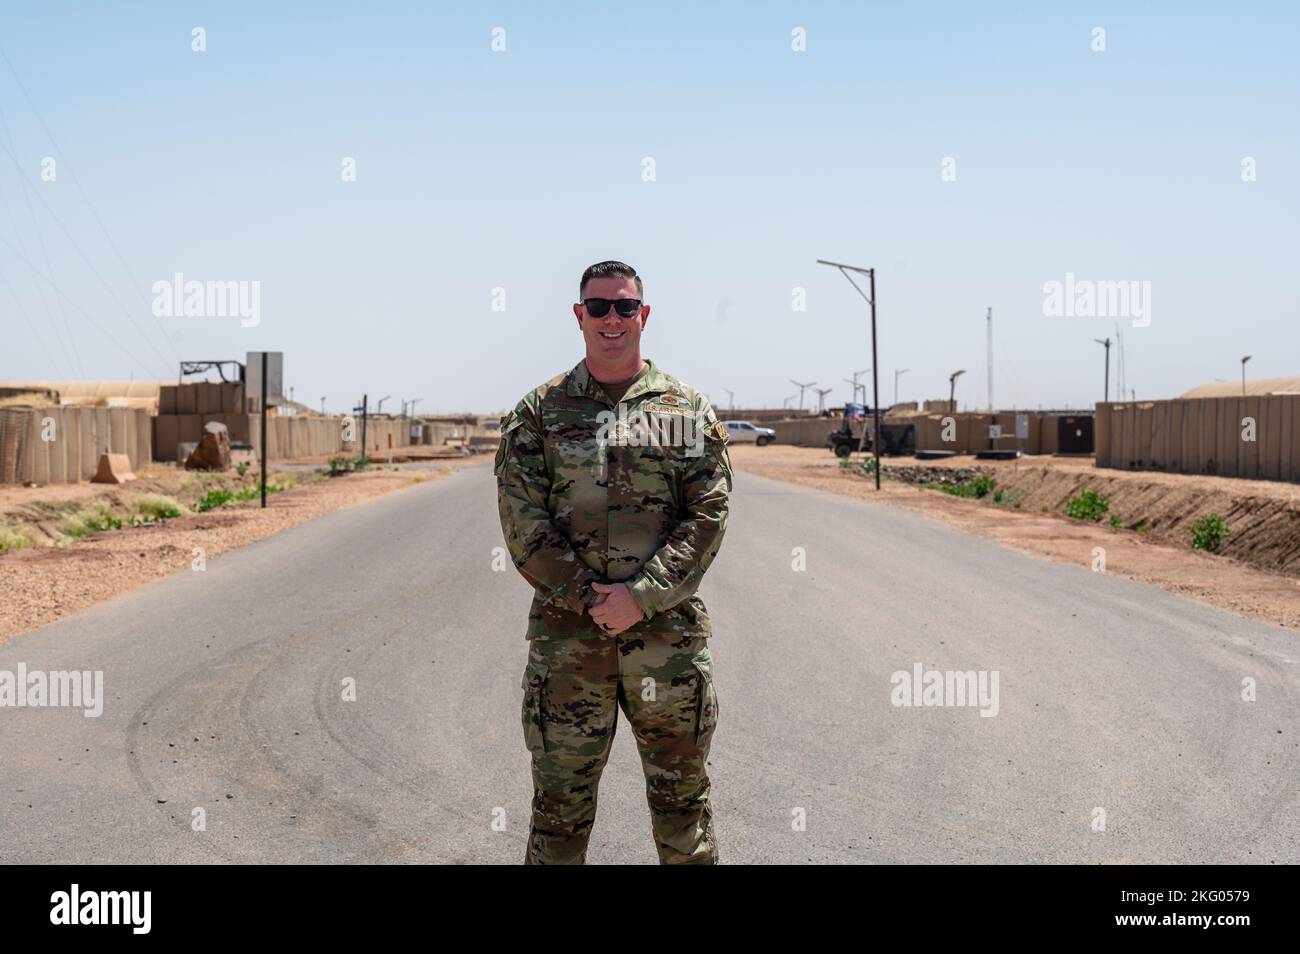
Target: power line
x=69 y=365
x=85 y=258
x=40 y=238
x=28 y=319
x=86 y=314
x=89 y=204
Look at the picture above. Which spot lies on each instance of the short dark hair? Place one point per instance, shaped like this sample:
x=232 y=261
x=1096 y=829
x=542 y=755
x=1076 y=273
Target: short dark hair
x=608 y=270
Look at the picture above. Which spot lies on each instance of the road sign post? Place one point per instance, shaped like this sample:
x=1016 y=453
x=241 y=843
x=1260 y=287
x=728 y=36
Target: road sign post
x=263 y=468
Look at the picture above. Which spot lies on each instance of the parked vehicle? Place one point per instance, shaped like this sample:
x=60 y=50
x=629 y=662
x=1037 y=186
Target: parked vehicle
x=895 y=438
x=743 y=432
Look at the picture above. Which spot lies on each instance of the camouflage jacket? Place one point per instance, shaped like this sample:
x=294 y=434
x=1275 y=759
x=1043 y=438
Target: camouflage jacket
x=636 y=493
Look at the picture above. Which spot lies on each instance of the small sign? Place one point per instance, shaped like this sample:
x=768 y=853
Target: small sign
x=1022 y=426
x=274 y=377
x=995 y=431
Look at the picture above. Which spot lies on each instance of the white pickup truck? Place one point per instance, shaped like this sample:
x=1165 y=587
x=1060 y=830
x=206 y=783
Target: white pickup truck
x=743 y=432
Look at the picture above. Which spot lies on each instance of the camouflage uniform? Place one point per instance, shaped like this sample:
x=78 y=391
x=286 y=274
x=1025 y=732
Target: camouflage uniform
x=637 y=494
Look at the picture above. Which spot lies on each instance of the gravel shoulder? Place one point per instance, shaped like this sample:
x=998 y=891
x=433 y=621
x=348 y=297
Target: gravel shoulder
x=1262 y=512
x=43 y=583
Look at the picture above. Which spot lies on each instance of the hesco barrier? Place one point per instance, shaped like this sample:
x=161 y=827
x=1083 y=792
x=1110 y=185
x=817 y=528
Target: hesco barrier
x=61 y=445
x=286 y=438
x=969 y=432
x=1255 y=437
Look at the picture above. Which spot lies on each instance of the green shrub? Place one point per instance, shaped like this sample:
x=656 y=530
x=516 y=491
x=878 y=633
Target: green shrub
x=86 y=522
x=217 y=497
x=16 y=538
x=1010 y=497
x=977 y=487
x=255 y=492
x=1209 y=532
x=1115 y=521
x=1089 y=505
x=157 y=507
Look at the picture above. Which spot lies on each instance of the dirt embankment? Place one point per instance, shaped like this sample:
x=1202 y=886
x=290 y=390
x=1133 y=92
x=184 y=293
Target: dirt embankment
x=1255 y=573
x=1263 y=528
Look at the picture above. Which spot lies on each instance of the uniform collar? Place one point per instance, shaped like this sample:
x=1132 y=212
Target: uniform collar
x=582 y=384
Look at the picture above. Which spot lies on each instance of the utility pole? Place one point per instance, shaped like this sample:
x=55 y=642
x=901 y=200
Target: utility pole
x=856 y=386
x=1106 y=345
x=731 y=399
x=990 y=359
x=365 y=408
x=802 y=388
x=786 y=402
x=322 y=406
x=1121 y=371
x=414 y=401
x=821 y=399
x=1243 y=374
x=896 y=375
x=875 y=368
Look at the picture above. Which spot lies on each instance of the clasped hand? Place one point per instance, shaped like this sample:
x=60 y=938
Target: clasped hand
x=614 y=609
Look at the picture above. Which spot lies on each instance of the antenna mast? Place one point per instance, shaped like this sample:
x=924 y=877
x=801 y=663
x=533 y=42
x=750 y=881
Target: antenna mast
x=990 y=324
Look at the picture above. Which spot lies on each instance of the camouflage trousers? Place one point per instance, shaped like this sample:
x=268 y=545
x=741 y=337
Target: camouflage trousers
x=573 y=689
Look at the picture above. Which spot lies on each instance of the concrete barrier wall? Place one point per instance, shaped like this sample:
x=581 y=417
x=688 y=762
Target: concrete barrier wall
x=295 y=437
x=810 y=432
x=970 y=435
x=77 y=436
x=1203 y=436
x=290 y=437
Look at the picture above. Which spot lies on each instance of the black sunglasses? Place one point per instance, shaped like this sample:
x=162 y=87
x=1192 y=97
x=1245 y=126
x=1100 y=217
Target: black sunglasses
x=599 y=307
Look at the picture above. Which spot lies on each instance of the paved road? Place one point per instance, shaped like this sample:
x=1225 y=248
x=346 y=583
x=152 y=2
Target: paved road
x=224 y=693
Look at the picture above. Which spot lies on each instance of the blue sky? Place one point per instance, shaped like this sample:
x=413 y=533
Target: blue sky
x=478 y=170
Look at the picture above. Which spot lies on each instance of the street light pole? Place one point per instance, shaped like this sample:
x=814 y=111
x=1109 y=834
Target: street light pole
x=1106 y=344
x=952 y=391
x=802 y=388
x=1243 y=375
x=875 y=368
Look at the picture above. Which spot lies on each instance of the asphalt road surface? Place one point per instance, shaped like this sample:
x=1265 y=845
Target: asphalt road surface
x=224 y=692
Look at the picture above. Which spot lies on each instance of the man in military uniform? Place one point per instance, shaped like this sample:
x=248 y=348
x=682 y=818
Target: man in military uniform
x=612 y=482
